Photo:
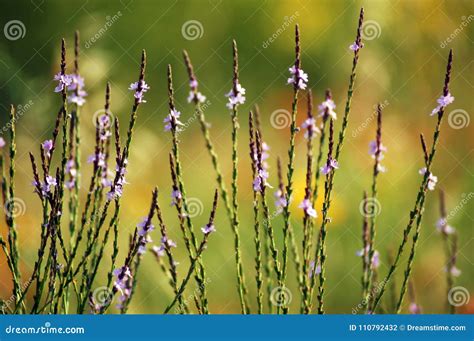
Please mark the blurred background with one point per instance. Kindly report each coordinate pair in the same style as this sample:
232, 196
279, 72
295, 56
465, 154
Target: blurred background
401, 66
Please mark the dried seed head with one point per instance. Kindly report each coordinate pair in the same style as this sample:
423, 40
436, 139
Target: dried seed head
170, 88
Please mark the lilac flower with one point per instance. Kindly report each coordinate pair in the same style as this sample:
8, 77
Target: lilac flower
48, 146
314, 270
2, 142
175, 196
355, 47
442, 226
99, 158
50, 182
116, 189
208, 229
375, 257
159, 251
76, 86
432, 179
173, 118
381, 156
280, 200
72, 171
145, 227
194, 94
308, 208
236, 97
414, 308
260, 180
455, 271
310, 125
123, 277
168, 242
329, 166
140, 88
443, 102
142, 242
329, 106
64, 82
298, 78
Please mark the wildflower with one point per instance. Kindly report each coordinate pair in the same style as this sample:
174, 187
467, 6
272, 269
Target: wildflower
329, 166
172, 120
261, 180
50, 182
140, 88
432, 179
381, 156
48, 146
298, 77
209, 228
64, 82
116, 188
236, 97
159, 251
310, 125
455, 271
72, 171
175, 196
145, 226
142, 242
442, 226
314, 268
326, 108
356, 47
308, 208
414, 308
443, 101
375, 257
2, 142
99, 158
76, 86
122, 283
194, 94
280, 200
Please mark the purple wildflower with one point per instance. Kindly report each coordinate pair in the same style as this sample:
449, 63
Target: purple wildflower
48, 146
455, 271
375, 257
327, 108
329, 166
140, 88
443, 101
145, 226
78, 93
442, 226
173, 119
209, 228
260, 180
356, 47
310, 125
308, 208
298, 78
64, 82
312, 269
175, 196
236, 97
2, 142
414, 308
194, 94
280, 200
373, 152
159, 251
116, 188
432, 179
72, 171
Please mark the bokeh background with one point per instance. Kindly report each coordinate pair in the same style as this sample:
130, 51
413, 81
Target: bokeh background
401, 66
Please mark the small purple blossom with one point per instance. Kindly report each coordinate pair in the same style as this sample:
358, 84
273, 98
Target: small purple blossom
208, 229
236, 97
381, 156
173, 118
414, 308
145, 227
64, 82
298, 78
2, 142
159, 251
140, 88
280, 200
355, 47
260, 180
194, 94
329, 166
308, 208
443, 102
310, 125
432, 179
175, 196
327, 106
455, 271
314, 270
123, 277
78, 93
443, 226
48, 146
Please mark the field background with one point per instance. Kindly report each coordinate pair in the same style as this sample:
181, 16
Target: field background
402, 67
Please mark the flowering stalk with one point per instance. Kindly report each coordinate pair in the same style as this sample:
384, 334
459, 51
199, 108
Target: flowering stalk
420, 199
198, 99
309, 211
378, 156
257, 239
299, 79
207, 231
236, 97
